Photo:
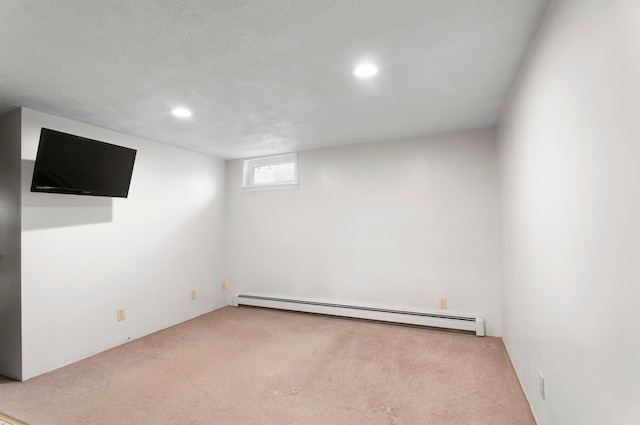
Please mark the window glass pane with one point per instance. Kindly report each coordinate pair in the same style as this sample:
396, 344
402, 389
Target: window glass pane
267, 171
274, 173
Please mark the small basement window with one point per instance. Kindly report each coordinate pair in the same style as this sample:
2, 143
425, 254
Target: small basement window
269, 171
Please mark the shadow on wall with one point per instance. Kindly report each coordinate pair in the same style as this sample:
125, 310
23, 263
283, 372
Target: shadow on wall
50, 210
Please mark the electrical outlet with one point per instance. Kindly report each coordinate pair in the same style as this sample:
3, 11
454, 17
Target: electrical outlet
223, 286
443, 303
120, 314
541, 380
193, 295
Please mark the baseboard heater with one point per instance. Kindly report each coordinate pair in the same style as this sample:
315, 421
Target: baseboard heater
421, 318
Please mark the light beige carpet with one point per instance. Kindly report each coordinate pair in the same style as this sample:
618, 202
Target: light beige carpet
254, 366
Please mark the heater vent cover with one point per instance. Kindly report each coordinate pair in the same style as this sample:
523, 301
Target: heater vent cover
456, 321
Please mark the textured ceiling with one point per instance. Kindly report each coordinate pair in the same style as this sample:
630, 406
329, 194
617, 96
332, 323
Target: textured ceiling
267, 76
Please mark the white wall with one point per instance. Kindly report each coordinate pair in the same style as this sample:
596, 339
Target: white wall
10, 312
570, 155
85, 257
395, 224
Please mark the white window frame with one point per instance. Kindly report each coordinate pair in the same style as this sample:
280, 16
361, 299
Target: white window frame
250, 163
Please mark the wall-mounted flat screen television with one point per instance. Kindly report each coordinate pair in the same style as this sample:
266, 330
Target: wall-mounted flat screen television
76, 165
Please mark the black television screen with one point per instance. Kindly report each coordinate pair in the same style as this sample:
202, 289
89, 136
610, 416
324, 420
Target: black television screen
79, 166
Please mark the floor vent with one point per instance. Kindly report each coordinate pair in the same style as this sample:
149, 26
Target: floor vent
7, 420
422, 318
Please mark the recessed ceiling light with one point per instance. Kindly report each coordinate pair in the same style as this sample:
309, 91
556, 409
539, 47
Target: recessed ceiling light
365, 70
181, 112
